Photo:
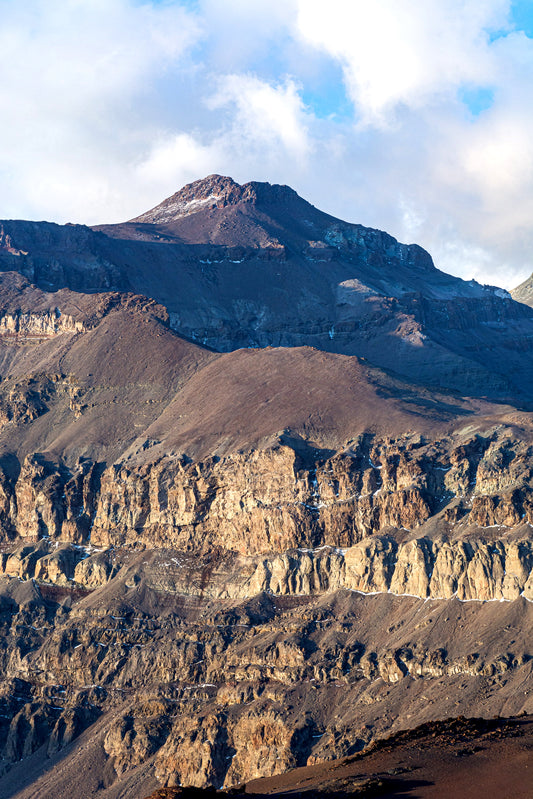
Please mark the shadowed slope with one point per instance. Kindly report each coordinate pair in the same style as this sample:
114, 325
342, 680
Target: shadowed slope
104, 377
256, 266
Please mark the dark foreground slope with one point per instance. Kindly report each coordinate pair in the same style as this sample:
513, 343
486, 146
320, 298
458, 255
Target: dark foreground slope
470, 758
221, 565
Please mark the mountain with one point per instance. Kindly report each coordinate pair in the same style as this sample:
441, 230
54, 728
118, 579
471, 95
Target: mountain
256, 266
524, 292
266, 495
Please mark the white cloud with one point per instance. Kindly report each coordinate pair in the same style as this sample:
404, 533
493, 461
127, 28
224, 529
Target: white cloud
75, 75
241, 33
264, 115
403, 51
173, 161
481, 263
465, 180
108, 107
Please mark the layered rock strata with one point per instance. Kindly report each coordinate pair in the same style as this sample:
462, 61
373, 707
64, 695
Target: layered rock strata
468, 570
31, 327
283, 618
204, 693
276, 499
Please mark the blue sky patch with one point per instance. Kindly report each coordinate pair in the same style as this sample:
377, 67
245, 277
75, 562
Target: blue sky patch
477, 100
328, 102
522, 16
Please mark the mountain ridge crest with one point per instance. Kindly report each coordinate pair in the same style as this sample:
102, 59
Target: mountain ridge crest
217, 191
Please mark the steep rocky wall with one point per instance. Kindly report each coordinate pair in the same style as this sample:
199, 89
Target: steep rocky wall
276, 499
28, 327
221, 620
469, 570
23, 400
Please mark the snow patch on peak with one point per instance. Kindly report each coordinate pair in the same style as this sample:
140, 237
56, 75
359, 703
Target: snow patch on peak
167, 212
505, 295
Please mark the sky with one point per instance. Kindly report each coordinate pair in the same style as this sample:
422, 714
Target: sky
411, 117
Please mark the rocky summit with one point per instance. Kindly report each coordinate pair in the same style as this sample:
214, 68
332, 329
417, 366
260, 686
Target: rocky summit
266, 497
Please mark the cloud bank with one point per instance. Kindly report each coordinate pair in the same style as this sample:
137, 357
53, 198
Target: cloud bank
412, 117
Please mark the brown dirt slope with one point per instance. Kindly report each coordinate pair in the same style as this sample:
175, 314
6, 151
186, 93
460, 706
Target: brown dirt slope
91, 388
247, 397
123, 382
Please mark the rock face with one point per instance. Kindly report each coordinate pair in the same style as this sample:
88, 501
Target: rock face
212, 693
28, 327
221, 565
469, 570
439, 753
244, 615
277, 499
524, 292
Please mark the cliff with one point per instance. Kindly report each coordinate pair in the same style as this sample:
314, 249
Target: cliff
280, 497
218, 563
212, 622
144, 682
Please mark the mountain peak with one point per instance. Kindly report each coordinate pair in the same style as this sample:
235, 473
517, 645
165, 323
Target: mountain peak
524, 292
216, 191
